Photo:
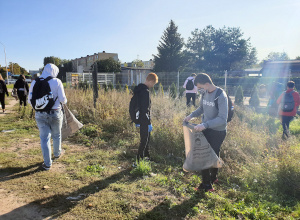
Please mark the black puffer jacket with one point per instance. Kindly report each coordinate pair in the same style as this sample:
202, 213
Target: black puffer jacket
144, 103
21, 86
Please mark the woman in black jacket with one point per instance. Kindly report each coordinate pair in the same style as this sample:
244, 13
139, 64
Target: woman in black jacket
3, 90
22, 90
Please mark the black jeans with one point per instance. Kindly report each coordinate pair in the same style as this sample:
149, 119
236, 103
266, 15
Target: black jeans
190, 96
22, 98
215, 139
286, 124
144, 144
2, 100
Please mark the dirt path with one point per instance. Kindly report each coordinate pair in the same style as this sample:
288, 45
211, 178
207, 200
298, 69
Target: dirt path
11, 103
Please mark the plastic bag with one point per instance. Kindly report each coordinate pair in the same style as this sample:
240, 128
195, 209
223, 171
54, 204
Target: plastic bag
199, 154
70, 123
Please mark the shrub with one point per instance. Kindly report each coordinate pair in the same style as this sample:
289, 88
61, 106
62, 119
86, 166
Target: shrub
254, 100
119, 87
160, 90
173, 91
239, 96
104, 86
110, 86
143, 168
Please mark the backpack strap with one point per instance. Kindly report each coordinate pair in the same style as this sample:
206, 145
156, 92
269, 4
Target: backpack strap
218, 93
49, 78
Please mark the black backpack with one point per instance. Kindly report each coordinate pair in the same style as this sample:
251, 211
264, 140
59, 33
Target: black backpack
189, 85
134, 109
288, 102
42, 97
230, 105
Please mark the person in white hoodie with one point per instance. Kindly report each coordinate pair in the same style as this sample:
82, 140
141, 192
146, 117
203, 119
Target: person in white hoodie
50, 122
190, 89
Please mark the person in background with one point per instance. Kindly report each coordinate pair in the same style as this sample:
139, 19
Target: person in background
144, 101
214, 123
50, 122
3, 91
190, 89
22, 90
286, 112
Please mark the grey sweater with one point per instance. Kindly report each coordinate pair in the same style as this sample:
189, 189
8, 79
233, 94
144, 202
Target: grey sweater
212, 117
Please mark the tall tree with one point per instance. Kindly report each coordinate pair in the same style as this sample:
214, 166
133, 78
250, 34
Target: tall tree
221, 49
55, 60
108, 66
275, 56
170, 56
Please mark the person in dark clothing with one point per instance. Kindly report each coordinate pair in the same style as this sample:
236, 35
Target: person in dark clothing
192, 91
22, 90
145, 125
287, 116
3, 91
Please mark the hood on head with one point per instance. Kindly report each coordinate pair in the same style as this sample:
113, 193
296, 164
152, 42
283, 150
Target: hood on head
50, 70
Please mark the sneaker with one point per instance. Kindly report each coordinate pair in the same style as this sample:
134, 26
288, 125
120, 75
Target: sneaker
205, 187
62, 152
44, 167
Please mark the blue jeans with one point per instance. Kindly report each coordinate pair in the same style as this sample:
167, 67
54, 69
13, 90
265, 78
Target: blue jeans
50, 124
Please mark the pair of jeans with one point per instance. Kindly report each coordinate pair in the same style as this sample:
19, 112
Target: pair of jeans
215, 139
50, 124
2, 100
143, 150
190, 96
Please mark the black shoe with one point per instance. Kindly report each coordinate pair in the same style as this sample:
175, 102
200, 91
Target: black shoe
205, 187
44, 167
62, 152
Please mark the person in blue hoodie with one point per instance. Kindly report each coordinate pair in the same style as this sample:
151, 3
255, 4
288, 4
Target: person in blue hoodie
50, 122
144, 101
214, 123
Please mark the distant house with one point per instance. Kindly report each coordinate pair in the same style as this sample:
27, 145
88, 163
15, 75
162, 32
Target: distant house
84, 64
281, 68
147, 64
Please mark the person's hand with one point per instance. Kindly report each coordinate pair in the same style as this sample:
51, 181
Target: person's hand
187, 118
150, 128
199, 127
137, 125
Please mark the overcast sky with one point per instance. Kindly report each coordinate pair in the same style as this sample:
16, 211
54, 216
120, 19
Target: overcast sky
34, 29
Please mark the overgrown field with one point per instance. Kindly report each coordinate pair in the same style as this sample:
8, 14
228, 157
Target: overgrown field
260, 179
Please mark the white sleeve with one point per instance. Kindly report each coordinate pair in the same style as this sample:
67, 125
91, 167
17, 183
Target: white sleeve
30, 92
61, 93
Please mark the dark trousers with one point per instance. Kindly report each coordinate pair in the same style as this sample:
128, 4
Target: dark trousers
22, 98
286, 124
2, 100
144, 144
190, 96
215, 139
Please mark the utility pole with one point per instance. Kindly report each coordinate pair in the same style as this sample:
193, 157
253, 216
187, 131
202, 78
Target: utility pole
5, 63
95, 83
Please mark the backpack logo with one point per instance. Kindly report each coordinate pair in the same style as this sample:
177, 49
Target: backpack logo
41, 103
189, 85
288, 102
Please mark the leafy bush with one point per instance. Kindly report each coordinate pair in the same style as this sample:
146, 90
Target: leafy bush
254, 99
142, 168
173, 91
239, 96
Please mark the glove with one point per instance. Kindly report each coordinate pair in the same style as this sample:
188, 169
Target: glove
137, 125
150, 128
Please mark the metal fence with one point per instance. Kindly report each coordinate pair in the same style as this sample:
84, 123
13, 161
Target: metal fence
166, 79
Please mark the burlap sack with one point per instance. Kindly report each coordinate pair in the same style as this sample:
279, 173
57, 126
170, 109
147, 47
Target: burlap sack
198, 152
70, 123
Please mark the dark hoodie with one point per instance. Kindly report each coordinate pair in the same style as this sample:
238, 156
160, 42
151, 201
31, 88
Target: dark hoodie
21, 85
144, 103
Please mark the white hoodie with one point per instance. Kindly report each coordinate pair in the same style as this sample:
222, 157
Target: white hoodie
56, 85
190, 91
